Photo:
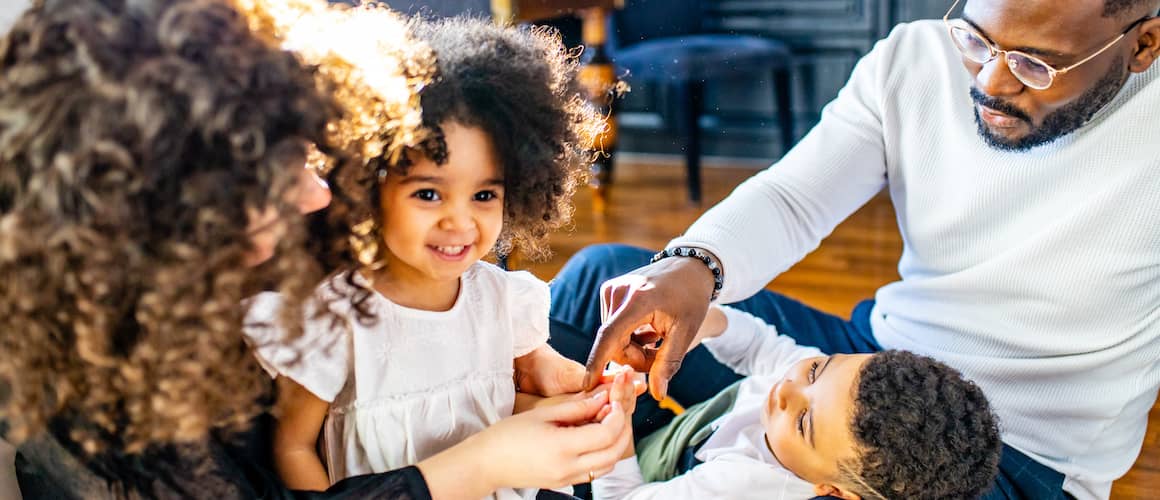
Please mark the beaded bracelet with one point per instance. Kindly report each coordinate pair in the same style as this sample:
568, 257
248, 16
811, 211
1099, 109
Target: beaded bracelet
697, 253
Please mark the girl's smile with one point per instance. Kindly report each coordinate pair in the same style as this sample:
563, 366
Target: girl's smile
451, 253
439, 220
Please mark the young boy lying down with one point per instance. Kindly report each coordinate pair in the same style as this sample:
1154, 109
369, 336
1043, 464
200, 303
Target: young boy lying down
889, 425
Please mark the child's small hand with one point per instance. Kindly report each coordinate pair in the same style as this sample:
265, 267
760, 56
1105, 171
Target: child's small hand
545, 372
623, 386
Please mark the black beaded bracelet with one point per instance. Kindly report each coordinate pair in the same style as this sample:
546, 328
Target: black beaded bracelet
697, 253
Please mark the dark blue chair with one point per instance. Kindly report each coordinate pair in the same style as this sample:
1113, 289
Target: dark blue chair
440, 8
664, 42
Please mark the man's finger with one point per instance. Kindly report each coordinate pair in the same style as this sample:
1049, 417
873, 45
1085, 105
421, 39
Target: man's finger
639, 358
605, 301
611, 339
668, 361
616, 298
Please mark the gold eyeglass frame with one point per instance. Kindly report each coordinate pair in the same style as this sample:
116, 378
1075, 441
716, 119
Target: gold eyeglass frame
1052, 71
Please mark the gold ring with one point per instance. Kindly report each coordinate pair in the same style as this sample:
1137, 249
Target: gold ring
591, 476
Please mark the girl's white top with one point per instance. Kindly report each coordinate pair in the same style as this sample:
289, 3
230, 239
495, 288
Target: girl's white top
409, 383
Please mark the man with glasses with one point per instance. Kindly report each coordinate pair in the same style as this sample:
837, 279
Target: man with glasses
1007, 126
1018, 140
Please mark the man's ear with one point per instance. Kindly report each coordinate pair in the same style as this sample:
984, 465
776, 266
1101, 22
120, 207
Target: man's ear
1147, 46
829, 490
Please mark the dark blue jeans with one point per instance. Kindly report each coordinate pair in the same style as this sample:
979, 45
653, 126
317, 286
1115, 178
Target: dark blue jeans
576, 316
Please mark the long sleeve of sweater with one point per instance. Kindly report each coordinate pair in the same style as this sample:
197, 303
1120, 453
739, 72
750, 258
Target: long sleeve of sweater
775, 218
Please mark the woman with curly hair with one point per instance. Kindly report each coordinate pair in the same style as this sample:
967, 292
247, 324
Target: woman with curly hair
507, 137
152, 178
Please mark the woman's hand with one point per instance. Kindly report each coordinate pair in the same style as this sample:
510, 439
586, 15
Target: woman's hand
672, 296
545, 447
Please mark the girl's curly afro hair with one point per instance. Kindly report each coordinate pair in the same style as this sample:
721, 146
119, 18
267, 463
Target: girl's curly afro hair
519, 85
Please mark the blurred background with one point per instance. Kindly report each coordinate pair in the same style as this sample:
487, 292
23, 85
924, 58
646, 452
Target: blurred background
826, 38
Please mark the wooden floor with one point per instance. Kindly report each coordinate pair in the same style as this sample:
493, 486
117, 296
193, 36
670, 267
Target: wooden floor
648, 207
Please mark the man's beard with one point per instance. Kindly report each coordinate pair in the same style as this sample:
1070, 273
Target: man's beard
1060, 122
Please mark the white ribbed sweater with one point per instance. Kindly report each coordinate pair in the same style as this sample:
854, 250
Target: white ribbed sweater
1037, 274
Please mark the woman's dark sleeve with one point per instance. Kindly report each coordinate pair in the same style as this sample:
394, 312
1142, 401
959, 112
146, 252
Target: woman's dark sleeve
222, 468
47, 469
248, 462
401, 484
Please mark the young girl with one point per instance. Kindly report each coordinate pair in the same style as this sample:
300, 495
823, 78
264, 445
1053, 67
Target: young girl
434, 336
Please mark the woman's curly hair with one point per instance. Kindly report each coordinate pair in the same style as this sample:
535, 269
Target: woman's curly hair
922, 430
519, 85
134, 137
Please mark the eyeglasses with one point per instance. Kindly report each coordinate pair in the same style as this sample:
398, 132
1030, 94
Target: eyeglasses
1030, 70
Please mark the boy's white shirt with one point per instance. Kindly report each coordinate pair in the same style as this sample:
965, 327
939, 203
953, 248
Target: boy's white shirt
737, 464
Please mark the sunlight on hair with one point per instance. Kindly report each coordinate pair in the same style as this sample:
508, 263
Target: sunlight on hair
367, 54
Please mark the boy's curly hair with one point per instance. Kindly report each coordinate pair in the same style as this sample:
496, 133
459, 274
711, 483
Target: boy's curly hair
519, 85
134, 137
923, 431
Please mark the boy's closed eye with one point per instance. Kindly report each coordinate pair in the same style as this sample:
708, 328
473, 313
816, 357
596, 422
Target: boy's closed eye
806, 420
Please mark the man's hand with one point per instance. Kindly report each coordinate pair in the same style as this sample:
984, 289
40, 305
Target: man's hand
545, 372
671, 296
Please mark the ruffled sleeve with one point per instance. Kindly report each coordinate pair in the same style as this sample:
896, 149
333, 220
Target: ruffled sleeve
530, 301
318, 360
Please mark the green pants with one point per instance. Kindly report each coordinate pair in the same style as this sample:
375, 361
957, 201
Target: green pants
659, 452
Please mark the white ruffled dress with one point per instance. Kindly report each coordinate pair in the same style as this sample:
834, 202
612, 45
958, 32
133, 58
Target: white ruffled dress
413, 382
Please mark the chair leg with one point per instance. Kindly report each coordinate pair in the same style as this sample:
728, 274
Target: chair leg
689, 95
782, 88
